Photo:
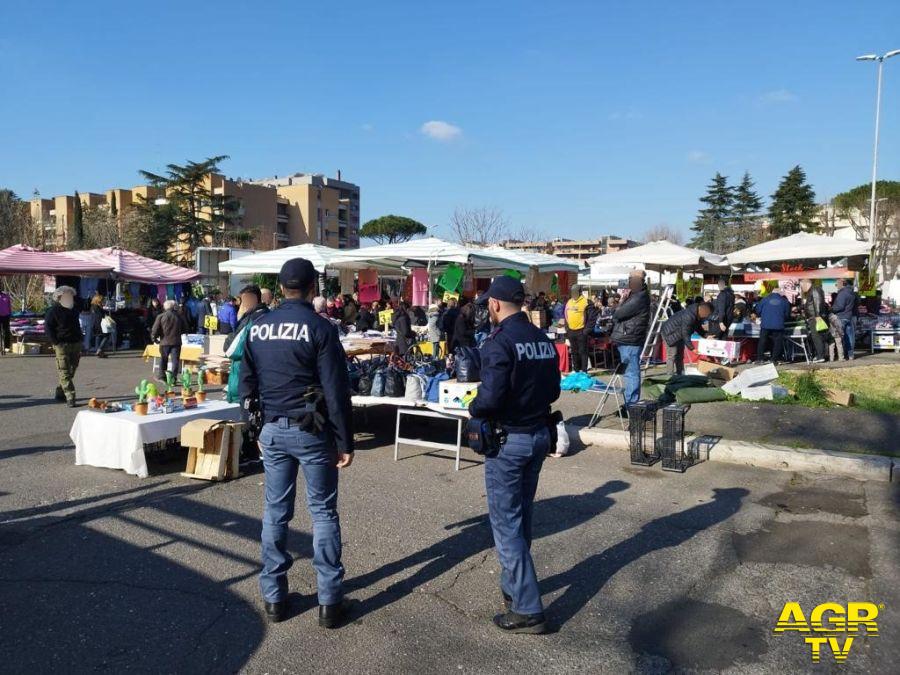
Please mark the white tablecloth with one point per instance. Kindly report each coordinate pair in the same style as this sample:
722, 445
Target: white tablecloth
116, 440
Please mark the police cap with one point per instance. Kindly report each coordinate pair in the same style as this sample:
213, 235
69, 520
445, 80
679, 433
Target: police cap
297, 273
505, 289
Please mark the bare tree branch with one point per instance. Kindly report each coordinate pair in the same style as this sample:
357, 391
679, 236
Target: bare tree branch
482, 226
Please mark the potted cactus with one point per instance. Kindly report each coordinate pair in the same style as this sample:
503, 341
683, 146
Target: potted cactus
186, 383
142, 390
170, 384
201, 394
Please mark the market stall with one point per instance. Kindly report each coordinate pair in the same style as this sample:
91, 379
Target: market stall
117, 440
784, 262
270, 262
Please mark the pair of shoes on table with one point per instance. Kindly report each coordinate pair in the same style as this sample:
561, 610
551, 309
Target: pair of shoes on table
513, 622
330, 616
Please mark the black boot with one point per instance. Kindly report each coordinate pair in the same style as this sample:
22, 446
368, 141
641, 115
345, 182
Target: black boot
528, 624
333, 616
276, 611
72, 403
60, 395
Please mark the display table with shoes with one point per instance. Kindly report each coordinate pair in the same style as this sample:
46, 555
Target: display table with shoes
116, 440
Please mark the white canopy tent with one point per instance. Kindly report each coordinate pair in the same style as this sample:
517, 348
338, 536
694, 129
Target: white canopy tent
540, 262
270, 262
660, 256
429, 252
801, 246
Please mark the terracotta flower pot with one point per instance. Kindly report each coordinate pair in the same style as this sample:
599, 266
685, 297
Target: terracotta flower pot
201, 396
186, 393
140, 408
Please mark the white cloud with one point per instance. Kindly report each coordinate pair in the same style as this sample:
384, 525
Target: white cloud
778, 97
441, 131
698, 157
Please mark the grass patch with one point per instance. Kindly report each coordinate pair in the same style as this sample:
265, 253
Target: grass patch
876, 388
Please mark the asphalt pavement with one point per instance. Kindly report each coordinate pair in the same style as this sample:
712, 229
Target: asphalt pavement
641, 570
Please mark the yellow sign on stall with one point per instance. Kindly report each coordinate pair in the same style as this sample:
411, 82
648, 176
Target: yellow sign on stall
385, 317
210, 322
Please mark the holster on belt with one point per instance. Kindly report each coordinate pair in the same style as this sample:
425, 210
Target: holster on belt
314, 420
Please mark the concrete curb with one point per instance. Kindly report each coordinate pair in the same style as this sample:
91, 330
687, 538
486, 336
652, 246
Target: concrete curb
828, 462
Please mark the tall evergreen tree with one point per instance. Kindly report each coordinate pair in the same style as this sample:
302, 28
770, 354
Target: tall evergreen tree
202, 216
713, 222
113, 206
746, 219
793, 207
77, 239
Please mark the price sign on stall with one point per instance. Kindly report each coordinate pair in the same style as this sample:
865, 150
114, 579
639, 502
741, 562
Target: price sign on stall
210, 322
385, 317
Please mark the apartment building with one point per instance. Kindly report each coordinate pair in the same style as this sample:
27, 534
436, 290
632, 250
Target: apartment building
316, 209
577, 249
276, 212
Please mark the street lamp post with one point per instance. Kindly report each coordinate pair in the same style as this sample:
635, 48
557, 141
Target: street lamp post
880, 60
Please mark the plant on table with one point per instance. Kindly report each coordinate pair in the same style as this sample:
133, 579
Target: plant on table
142, 391
201, 394
185, 382
170, 382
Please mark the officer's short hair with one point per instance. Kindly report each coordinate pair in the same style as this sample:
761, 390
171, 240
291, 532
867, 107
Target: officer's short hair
169, 304
252, 288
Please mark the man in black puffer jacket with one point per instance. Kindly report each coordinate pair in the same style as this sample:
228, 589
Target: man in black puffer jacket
723, 310
630, 323
677, 331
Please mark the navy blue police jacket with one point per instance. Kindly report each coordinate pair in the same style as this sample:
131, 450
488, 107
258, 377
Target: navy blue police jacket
288, 350
519, 375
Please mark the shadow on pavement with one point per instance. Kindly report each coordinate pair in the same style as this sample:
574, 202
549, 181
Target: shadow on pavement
551, 516
76, 598
588, 577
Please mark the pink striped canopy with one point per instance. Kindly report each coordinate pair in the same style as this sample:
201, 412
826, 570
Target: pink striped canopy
133, 267
20, 259
115, 262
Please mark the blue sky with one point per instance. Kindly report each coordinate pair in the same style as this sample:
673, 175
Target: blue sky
575, 118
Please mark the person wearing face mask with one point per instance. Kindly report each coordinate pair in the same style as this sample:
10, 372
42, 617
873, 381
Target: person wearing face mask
63, 328
519, 382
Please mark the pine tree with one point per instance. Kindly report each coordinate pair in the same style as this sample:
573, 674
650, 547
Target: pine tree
113, 205
77, 240
746, 221
793, 206
712, 223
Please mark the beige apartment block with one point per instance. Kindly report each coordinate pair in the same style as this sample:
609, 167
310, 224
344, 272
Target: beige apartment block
277, 212
580, 249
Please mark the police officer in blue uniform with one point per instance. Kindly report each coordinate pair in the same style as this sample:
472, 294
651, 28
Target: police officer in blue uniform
519, 382
295, 371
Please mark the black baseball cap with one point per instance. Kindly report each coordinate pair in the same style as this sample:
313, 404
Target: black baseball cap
297, 273
505, 289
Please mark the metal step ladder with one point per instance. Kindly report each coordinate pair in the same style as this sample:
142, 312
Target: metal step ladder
662, 313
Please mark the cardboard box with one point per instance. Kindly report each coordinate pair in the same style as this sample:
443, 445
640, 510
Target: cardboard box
840, 397
214, 449
216, 376
457, 395
26, 348
716, 371
721, 349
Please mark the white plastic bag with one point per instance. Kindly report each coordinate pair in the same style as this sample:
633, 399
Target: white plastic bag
562, 440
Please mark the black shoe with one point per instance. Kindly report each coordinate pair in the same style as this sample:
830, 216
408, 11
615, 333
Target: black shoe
276, 611
60, 395
528, 624
333, 616
507, 600
623, 412
72, 403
